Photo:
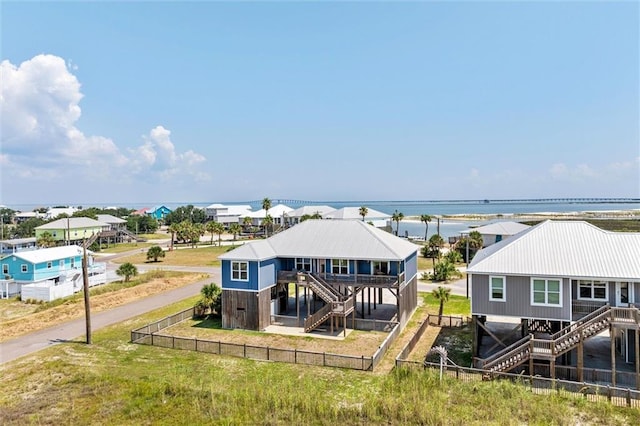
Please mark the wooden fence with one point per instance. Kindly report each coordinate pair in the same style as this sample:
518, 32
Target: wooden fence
540, 385
150, 335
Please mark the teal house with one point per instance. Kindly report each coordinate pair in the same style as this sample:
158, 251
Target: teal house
158, 212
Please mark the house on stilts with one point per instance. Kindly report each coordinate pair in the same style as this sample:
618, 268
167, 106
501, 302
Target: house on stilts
564, 283
319, 272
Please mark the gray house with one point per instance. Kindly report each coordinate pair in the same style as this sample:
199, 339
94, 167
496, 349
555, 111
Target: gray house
497, 231
566, 281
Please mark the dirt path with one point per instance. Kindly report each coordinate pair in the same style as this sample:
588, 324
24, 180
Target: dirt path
70, 330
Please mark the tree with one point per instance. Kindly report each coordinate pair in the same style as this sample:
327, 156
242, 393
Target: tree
91, 212
442, 295
444, 271
397, 217
474, 242
173, 229
187, 213
211, 300
218, 228
46, 240
6, 215
247, 222
266, 223
27, 228
143, 224
426, 219
154, 253
210, 227
363, 212
127, 270
266, 205
453, 256
435, 243
235, 229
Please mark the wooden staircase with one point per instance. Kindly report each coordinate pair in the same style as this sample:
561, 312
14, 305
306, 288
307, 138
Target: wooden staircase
561, 342
336, 304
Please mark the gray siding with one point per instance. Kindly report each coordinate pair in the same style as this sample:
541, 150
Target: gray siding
518, 300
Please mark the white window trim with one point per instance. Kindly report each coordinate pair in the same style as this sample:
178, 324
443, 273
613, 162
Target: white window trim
5, 268
301, 261
239, 262
504, 288
606, 291
546, 292
341, 260
381, 262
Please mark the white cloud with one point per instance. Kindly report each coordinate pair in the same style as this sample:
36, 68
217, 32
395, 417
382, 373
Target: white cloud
40, 106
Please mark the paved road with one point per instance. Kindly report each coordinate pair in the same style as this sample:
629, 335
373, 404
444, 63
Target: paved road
458, 287
33, 342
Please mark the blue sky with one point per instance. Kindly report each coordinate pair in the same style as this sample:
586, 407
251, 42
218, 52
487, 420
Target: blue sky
212, 101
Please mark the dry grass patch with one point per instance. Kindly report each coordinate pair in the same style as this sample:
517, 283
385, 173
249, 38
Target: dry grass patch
14, 308
356, 343
74, 308
200, 256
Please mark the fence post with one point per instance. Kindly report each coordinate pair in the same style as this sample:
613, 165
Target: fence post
362, 363
196, 340
244, 350
609, 392
151, 339
324, 359
173, 342
219, 348
295, 355
628, 397
268, 354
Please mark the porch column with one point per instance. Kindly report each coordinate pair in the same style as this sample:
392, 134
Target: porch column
297, 301
362, 303
638, 354
580, 363
369, 299
612, 336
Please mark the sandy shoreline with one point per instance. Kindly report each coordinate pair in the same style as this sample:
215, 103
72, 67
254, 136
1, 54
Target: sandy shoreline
465, 217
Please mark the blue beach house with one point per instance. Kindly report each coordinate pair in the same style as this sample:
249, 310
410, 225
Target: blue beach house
342, 266
47, 274
158, 212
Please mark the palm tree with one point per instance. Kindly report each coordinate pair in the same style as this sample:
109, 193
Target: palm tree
397, 217
235, 229
247, 222
211, 298
211, 227
441, 294
426, 219
363, 212
46, 240
218, 228
266, 205
173, 229
127, 270
267, 222
436, 242
154, 253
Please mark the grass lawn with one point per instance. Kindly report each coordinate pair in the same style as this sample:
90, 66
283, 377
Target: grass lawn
21, 318
457, 305
156, 236
356, 343
116, 382
200, 256
122, 247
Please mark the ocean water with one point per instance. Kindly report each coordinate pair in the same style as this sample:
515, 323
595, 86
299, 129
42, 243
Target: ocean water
434, 208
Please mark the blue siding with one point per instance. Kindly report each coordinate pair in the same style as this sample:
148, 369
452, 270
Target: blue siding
364, 267
287, 264
267, 273
228, 283
411, 266
39, 271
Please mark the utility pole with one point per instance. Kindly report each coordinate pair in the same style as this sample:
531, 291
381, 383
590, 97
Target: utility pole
85, 282
467, 271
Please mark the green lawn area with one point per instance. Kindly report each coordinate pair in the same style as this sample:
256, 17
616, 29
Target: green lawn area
116, 382
457, 305
122, 247
156, 236
200, 256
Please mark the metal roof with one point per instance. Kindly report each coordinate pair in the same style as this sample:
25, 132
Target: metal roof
354, 213
48, 254
563, 249
327, 239
499, 228
107, 218
275, 211
311, 210
73, 222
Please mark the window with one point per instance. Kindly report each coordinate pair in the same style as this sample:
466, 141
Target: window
49, 265
546, 292
61, 263
592, 290
73, 262
240, 271
24, 268
380, 268
497, 289
5, 268
303, 264
339, 266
